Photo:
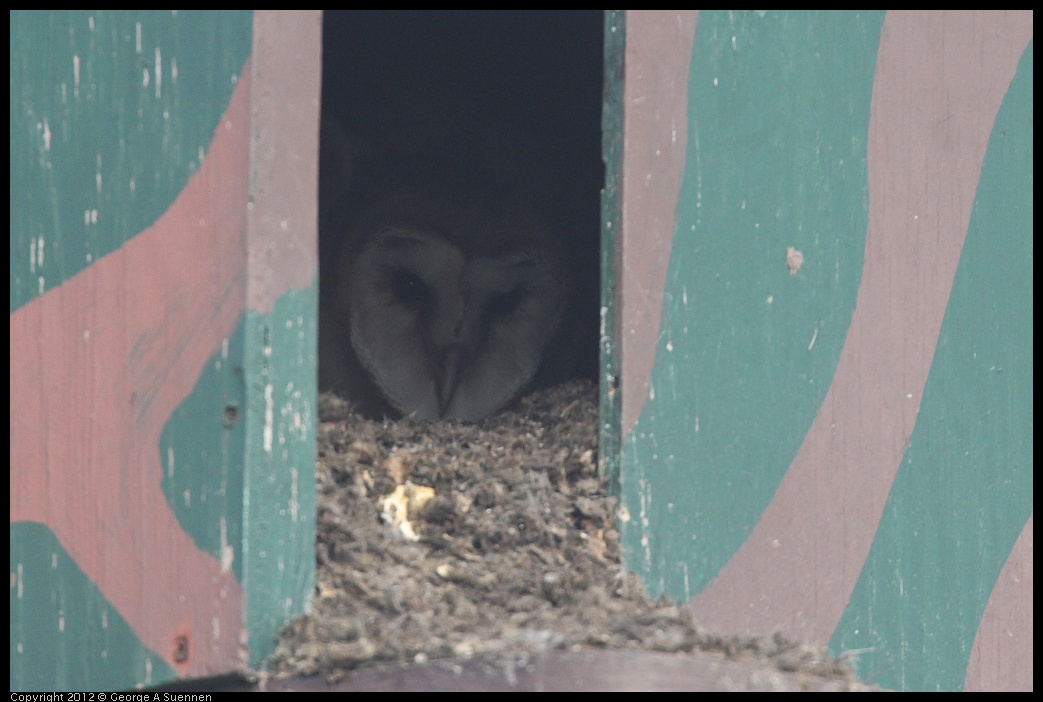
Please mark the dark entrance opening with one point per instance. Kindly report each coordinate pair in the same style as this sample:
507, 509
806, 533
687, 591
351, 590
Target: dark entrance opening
509, 100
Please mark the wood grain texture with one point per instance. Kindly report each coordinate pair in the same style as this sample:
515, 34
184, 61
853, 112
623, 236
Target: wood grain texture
924, 163
97, 366
655, 139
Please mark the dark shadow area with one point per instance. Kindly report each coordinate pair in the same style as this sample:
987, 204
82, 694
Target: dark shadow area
506, 102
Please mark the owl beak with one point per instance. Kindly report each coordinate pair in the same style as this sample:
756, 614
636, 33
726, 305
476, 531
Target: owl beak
448, 373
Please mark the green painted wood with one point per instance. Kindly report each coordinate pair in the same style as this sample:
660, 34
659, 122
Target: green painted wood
611, 215
776, 159
64, 634
279, 504
201, 450
280, 326
963, 493
111, 112
834, 441
163, 290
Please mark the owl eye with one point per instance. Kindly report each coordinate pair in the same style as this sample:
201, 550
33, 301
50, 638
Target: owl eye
506, 303
410, 290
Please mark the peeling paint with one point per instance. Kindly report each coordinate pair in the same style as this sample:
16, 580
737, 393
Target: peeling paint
269, 414
794, 260
227, 552
159, 73
294, 503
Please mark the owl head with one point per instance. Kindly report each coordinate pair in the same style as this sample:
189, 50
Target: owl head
449, 304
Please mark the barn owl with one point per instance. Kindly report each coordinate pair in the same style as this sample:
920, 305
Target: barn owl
439, 301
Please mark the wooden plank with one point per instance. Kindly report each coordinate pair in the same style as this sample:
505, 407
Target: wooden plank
835, 438
138, 375
573, 671
280, 325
